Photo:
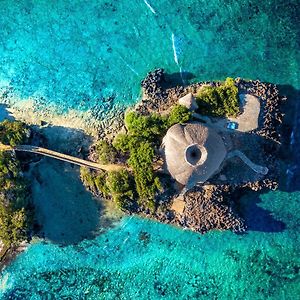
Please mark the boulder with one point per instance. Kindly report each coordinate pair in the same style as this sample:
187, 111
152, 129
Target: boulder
188, 101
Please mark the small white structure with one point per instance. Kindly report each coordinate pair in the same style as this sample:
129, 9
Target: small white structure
188, 101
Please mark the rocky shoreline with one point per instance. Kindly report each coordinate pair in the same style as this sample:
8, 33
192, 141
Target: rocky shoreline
214, 205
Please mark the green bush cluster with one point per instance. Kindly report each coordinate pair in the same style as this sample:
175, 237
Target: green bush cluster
13, 224
141, 154
95, 182
154, 126
144, 133
220, 101
178, 114
106, 152
13, 133
118, 184
14, 202
147, 127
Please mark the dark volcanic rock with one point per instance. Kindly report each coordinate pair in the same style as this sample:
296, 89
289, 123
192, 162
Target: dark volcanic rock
209, 208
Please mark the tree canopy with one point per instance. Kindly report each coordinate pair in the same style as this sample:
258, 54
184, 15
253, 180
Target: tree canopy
13, 133
143, 137
14, 201
219, 101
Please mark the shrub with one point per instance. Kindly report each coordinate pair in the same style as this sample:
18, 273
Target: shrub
121, 188
140, 160
9, 169
118, 182
219, 101
14, 201
145, 126
13, 133
100, 183
13, 225
179, 114
106, 152
124, 142
95, 182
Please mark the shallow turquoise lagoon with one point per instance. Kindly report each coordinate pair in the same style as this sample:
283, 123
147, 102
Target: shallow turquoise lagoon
140, 259
75, 54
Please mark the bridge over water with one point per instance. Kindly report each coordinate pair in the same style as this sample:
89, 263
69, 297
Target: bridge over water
64, 157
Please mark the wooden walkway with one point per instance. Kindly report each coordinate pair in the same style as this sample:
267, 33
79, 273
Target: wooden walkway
64, 157
256, 168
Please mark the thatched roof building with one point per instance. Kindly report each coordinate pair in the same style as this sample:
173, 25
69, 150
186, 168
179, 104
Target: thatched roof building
193, 153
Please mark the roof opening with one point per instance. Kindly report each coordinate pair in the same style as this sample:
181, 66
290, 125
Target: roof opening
193, 154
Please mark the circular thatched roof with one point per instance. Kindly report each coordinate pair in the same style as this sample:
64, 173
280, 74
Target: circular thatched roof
193, 152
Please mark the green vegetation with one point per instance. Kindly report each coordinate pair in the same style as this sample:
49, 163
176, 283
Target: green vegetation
219, 101
138, 147
141, 158
144, 134
119, 185
13, 133
179, 114
95, 182
14, 202
106, 152
145, 127
141, 154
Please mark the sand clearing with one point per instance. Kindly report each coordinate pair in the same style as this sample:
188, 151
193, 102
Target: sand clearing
248, 120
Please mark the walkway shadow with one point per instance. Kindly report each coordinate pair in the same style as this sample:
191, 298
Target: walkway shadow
65, 212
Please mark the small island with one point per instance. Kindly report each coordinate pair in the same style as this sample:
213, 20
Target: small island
184, 155
190, 152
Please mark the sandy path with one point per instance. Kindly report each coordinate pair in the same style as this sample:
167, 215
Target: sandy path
247, 121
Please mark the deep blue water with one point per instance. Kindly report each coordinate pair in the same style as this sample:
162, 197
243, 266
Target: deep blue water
74, 54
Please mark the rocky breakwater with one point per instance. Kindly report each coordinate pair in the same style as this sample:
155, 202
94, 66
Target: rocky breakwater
160, 94
210, 207
271, 115
152, 84
214, 207
270, 122
154, 92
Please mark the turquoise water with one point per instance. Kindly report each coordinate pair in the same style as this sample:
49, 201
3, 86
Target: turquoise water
76, 53
167, 264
